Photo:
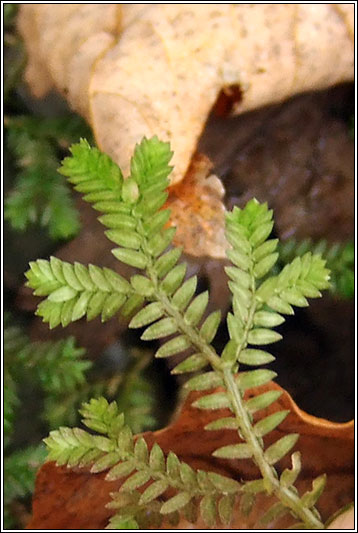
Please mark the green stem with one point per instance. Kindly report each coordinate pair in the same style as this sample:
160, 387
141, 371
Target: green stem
286, 495
191, 332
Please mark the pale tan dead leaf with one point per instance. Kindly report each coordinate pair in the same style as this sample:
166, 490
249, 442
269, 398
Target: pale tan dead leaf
75, 499
139, 70
346, 520
159, 68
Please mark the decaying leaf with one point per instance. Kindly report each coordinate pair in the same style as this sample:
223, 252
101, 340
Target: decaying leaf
75, 499
159, 69
197, 210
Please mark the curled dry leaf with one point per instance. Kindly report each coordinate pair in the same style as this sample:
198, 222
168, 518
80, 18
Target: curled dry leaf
159, 69
75, 499
142, 69
197, 210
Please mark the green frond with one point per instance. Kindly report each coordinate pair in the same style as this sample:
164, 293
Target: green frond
162, 301
11, 401
59, 366
121, 455
128, 205
102, 416
149, 164
339, 258
40, 195
258, 303
19, 472
74, 291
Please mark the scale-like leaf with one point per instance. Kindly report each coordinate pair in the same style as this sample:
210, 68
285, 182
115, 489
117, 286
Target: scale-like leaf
224, 484
208, 380
142, 285
166, 262
234, 451
187, 475
196, 309
254, 378
269, 423
264, 265
136, 480
147, 315
222, 423
175, 503
184, 294
105, 462
209, 328
262, 400
289, 475
176, 345
130, 257
263, 336
218, 400
226, 508
154, 490
208, 509
275, 511
120, 470
280, 448
267, 320
156, 458
141, 451
174, 279
162, 328
192, 363
255, 357
310, 498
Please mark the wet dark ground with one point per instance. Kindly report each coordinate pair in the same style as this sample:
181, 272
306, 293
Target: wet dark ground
299, 157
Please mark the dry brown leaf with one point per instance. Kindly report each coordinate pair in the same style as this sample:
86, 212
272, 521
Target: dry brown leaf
197, 210
146, 69
75, 499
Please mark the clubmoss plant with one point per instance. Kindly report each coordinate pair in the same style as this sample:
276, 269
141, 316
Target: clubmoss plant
57, 378
166, 304
339, 258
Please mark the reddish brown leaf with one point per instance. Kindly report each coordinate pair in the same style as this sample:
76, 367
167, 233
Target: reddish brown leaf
75, 499
197, 210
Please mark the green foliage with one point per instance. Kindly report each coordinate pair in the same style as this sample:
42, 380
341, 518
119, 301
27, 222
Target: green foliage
58, 371
74, 291
339, 258
117, 451
56, 368
162, 301
11, 401
9, 13
20, 468
40, 195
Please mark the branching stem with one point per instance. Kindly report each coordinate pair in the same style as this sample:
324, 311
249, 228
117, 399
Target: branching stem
285, 495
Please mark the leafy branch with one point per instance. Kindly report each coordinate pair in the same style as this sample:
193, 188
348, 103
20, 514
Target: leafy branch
166, 304
61, 379
339, 258
40, 195
121, 455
